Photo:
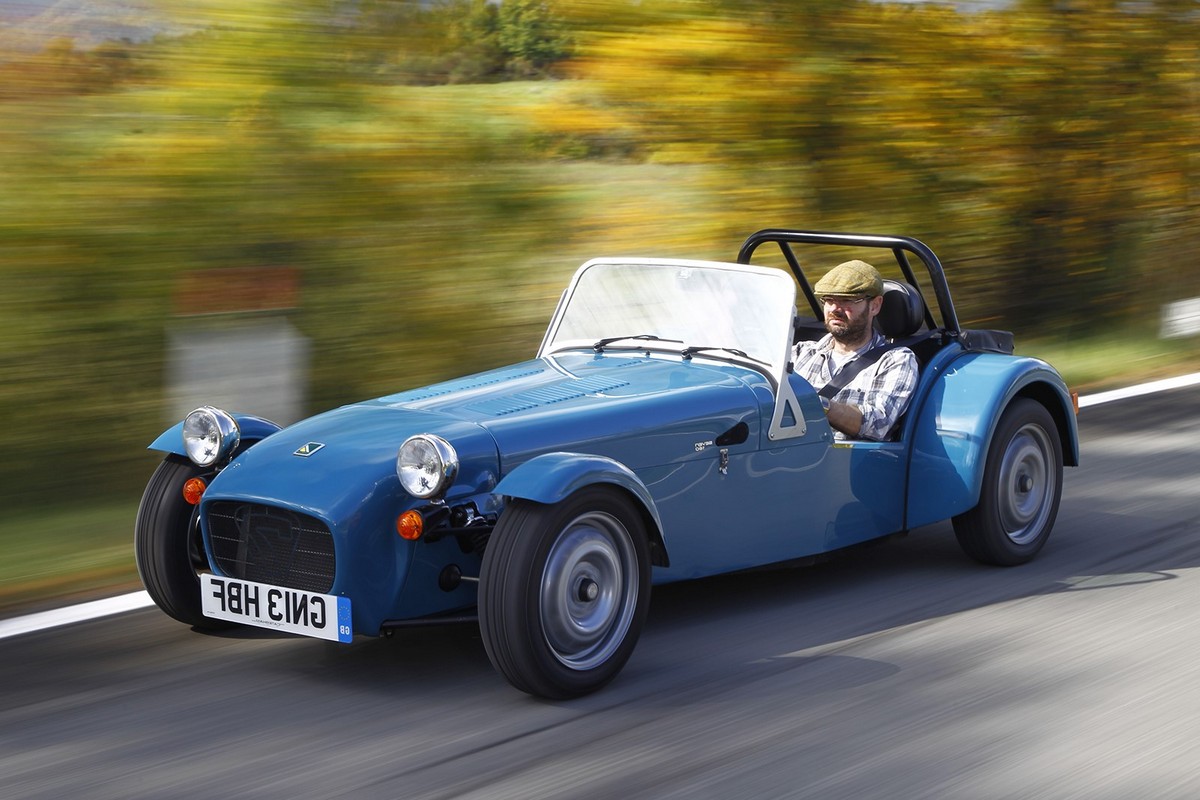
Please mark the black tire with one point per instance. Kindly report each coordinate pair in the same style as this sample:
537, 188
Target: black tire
563, 592
167, 546
1022, 486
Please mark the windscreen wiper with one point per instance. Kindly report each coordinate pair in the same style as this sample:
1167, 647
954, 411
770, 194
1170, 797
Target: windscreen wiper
600, 345
688, 352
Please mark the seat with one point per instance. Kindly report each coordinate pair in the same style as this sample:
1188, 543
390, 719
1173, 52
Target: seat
899, 319
903, 310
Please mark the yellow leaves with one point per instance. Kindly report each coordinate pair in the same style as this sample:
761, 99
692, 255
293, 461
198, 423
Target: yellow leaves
690, 80
709, 58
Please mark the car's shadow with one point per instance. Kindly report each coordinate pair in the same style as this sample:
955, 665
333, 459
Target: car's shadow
734, 628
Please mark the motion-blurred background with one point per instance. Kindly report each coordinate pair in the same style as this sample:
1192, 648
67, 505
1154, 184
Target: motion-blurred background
294, 204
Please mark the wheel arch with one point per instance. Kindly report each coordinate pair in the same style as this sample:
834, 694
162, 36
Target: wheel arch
254, 429
958, 421
1058, 402
552, 477
165, 543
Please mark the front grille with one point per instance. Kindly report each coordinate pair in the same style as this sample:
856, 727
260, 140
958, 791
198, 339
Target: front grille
261, 543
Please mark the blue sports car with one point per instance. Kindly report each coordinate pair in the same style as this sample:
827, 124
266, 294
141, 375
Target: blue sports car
658, 435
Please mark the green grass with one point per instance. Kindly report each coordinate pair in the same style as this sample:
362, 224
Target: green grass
1098, 363
66, 554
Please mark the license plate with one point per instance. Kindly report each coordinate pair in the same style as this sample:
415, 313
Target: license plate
323, 616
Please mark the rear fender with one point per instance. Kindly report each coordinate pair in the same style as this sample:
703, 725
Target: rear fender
552, 477
253, 429
957, 419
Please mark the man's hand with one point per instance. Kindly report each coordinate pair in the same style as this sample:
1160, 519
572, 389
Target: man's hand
845, 418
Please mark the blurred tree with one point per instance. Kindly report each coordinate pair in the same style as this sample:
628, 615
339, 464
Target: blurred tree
261, 143
1079, 116
463, 41
531, 36
62, 69
1034, 143
474, 52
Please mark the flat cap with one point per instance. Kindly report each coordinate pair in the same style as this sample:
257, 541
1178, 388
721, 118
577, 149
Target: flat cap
850, 279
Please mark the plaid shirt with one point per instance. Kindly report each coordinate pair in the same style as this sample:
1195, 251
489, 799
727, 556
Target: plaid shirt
881, 391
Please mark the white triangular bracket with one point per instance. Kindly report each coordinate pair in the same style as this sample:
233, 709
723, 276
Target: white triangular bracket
787, 422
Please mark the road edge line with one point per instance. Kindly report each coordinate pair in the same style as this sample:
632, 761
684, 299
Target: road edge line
68, 615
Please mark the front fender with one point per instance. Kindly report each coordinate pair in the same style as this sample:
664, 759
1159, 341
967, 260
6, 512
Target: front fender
957, 419
551, 477
253, 429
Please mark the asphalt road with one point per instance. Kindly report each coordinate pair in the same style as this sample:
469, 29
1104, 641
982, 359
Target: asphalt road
899, 671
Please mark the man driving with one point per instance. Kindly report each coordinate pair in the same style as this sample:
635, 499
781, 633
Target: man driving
870, 402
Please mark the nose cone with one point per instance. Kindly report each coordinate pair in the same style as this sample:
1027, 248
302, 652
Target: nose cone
332, 464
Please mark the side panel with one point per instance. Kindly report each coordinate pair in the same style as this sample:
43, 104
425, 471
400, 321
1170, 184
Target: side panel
955, 425
737, 507
813, 493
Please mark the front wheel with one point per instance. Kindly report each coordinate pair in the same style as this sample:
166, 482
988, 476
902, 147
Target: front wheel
1022, 485
167, 545
563, 592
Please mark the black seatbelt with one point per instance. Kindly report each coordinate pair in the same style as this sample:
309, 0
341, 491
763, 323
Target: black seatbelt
849, 371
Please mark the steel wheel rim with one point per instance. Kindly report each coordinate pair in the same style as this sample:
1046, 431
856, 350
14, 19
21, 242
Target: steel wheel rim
1026, 484
589, 590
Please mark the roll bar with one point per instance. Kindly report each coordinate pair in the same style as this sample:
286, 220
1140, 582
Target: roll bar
900, 246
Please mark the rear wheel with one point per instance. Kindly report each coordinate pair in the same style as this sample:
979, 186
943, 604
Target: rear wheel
167, 545
563, 592
1022, 485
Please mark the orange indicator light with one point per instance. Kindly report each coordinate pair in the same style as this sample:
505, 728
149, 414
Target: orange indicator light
410, 525
193, 490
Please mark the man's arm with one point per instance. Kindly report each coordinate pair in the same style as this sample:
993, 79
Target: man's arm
845, 418
876, 397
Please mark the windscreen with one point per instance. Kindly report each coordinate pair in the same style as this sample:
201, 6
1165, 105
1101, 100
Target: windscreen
691, 304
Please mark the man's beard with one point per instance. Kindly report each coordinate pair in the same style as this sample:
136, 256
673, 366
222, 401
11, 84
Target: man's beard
855, 331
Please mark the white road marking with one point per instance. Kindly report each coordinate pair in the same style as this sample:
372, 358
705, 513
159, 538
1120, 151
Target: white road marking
1138, 391
136, 600
71, 614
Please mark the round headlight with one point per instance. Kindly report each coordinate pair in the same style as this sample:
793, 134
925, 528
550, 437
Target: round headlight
209, 436
426, 465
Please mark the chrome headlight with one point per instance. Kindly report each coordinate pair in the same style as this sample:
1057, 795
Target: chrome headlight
210, 435
426, 465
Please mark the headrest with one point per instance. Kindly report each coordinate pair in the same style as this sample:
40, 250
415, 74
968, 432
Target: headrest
903, 310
